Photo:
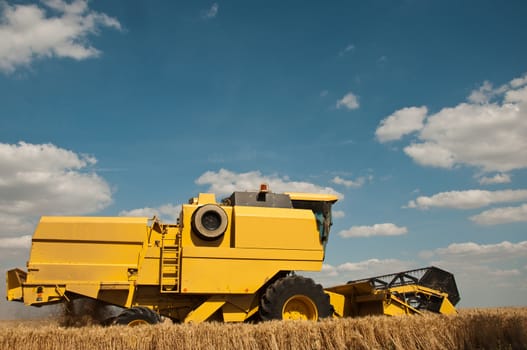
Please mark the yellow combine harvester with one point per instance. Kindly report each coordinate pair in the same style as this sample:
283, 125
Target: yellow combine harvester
231, 261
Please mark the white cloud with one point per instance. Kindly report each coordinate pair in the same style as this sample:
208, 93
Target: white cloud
167, 212
349, 101
16, 242
348, 48
400, 123
484, 94
29, 32
386, 229
496, 179
338, 214
210, 13
224, 182
468, 199
383, 266
474, 252
488, 132
329, 270
14, 224
430, 154
506, 273
485, 271
44, 179
331, 275
518, 82
501, 215
359, 182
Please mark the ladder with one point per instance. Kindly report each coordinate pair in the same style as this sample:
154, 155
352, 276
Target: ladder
170, 264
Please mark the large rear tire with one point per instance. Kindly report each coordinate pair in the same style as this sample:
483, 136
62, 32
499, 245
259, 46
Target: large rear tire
137, 316
295, 298
82, 311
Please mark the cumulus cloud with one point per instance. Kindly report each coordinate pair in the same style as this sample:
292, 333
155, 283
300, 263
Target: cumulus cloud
519, 82
16, 242
484, 93
359, 182
349, 101
211, 12
347, 49
56, 29
338, 214
338, 274
484, 271
496, 179
386, 229
487, 132
430, 154
474, 252
400, 123
166, 212
224, 182
383, 266
501, 215
469, 199
44, 179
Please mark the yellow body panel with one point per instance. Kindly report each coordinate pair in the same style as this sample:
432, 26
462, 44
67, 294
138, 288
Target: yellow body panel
275, 228
206, 309
234, 275
312, 197
447, 308
341, 305
253, 254
257, 244
85, 249
14, 280
83, 228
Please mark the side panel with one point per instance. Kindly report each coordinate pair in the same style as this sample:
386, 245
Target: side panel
86, 228
210, 276
84, 254
14, 280
259, 243
275, 228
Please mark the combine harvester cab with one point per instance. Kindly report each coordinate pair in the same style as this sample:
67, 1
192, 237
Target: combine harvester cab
231, 261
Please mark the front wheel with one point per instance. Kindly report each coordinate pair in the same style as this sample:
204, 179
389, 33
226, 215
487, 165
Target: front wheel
137, 316
295, 298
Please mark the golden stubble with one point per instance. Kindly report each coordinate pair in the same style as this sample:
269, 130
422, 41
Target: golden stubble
499, 328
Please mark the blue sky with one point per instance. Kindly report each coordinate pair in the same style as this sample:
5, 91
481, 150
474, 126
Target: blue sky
413, 112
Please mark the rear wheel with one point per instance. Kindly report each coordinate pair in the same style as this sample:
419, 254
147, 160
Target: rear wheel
295, 298
81, 311
137, 316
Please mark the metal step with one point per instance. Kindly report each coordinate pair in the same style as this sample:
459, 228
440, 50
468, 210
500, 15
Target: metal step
169, 269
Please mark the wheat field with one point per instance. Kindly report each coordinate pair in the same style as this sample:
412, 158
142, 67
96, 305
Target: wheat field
502, 328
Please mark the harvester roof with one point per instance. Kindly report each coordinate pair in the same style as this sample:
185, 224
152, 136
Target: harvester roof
298, 196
